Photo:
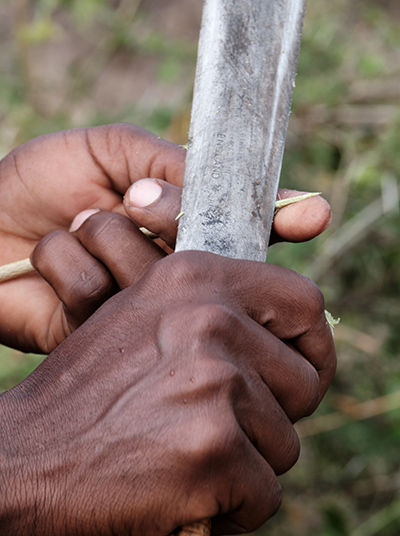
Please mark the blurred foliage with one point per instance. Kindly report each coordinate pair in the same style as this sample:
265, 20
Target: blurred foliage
69, 63
15, 366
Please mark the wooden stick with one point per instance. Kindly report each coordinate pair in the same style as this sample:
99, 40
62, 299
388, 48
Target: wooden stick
245, 75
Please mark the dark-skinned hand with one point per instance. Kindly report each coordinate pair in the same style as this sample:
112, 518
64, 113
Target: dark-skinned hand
174, 402
45, 183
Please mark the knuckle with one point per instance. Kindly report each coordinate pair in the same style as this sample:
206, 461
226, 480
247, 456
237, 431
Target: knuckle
310, 392
218, 381
183, 271
226, 379
123, 129
102, 227
93, 286
313, 297
307, 304
199, 336
275, 499
43, 251
114, 136
211, 320
290, 451
189, 269
331, 366
193, 272
265, 509
306, 399
211, 440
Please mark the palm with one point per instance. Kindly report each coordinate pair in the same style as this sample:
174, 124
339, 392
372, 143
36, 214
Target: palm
43, 185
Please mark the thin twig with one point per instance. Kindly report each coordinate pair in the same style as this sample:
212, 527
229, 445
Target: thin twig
280, 203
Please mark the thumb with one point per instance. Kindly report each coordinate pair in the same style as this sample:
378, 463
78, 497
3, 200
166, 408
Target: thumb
299, 222
155, 205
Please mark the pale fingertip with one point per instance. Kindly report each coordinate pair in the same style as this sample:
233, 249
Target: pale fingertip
143, 193
81, 218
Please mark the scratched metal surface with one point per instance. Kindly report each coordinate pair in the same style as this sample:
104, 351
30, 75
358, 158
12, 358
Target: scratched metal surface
245, 74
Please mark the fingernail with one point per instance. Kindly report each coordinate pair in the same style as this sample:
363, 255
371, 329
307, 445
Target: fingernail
143, 193
82, 217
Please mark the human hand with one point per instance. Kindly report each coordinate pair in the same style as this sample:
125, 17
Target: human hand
45, 183
178, 398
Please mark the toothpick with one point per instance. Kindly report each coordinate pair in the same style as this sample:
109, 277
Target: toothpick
280, 203
15, 269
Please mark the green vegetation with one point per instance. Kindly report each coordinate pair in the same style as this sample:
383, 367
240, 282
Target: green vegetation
69, 63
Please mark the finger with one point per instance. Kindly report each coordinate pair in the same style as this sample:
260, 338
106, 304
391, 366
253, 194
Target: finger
255, 495
235, 486
155, 205
292, 380
126, 153
217, 332
266, 425
255, 388
106, 161
291, 307
80, 281
288, 304
300, 221
116, 242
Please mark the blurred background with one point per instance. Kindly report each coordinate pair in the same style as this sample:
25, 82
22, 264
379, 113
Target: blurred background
72, 63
